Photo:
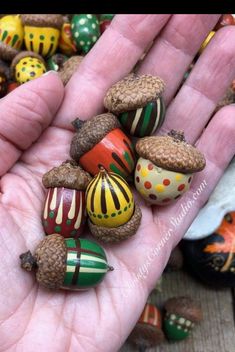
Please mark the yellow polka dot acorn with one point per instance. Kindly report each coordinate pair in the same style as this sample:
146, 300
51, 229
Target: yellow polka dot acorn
166, 166
27, 66
113, 214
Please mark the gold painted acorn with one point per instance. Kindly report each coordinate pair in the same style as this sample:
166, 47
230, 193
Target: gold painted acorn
65, 209
27, 66
66, 44
138, 103
42, 32
67, 263
113, 215
11, 36
69, 67
165, 168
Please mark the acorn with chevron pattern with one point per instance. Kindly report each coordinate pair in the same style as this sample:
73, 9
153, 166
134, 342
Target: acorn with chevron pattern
101, 142
11, 36
71, 264
64, 210
138, 103
113, 214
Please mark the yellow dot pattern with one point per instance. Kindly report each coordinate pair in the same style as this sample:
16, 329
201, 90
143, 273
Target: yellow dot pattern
160, 188
178, 177
144, 172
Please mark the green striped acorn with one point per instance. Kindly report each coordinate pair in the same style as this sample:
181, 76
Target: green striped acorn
138, 103
72, 264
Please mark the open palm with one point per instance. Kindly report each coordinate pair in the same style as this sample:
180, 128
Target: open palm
35, 135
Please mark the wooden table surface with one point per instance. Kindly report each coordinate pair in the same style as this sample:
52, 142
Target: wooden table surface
216, 333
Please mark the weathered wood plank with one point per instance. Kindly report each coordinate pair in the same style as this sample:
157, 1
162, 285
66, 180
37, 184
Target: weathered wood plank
216, 333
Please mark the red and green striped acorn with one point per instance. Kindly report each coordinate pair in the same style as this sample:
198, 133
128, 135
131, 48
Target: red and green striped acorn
65, 208
71, 264
138, 103
113, 215
11, 36
105, 20
165, 168
85, 31
182, 313
42, 32
148, 331
27, 66
100, 142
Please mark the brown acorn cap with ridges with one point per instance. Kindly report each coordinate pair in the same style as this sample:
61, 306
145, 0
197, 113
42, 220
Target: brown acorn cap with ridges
146, 335
21, 56
69, 67
69, 175
7, 52
91, 132
133, 92
171, 152
49, 261
185, 307
46, 20
120, 233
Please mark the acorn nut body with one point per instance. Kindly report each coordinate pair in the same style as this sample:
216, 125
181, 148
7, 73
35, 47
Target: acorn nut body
65, 209
11, 36
138, 103
66, 44
100, 142
42, 32
113, 216
67, 263
165, 168
182, 313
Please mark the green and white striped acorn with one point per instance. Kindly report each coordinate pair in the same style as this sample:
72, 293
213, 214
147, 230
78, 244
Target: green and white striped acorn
182, 313
67, 263
138, 103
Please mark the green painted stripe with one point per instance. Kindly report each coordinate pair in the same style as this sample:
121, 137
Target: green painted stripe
129, 160
92, 246
5, 33
92, 264
123, 118
70, 243
14, 40
87, 280
147, 116
68, 278
115, 169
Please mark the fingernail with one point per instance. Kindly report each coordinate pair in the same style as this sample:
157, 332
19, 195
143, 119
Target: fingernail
50, 72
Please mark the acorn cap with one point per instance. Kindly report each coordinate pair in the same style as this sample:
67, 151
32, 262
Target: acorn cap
46, 20
171, 152
91, 132
120, 233
7, 52
185, 307
49, 261
68, 175
69, 67
146, 335
133, 92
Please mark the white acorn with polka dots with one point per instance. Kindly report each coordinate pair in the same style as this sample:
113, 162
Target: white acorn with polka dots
166, 166
85, 31
27, 66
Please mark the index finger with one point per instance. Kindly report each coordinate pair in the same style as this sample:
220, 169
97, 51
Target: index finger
112, 57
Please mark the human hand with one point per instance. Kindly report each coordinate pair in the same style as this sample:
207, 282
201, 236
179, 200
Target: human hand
100, 319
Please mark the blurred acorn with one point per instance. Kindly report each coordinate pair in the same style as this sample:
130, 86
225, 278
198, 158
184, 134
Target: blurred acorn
3, 84
105, 20
69, 67
11, 36
66, 44
56, 61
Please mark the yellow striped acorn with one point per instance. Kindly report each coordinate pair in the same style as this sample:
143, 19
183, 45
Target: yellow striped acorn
109, 200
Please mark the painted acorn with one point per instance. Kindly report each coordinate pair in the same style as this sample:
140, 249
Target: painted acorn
138, 103
42, 32
212, 258
85, 31
27, 66
55, 62
65, 209
113, 215
225, 20
69, 67
105, 20
165, 168
182, 313
72, 264
100, 142
148, 331
11, 36
66, 44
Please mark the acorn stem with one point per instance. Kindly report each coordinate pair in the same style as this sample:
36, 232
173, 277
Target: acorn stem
28, 262
177, 135
110, 268
77, 123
